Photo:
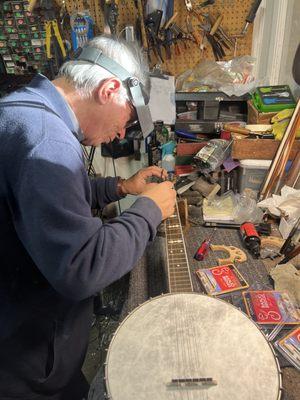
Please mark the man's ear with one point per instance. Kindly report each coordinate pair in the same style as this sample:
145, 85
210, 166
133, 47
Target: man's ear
107, 89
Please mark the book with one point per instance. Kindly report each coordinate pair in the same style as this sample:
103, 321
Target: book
271, 307
289, 347
221, 279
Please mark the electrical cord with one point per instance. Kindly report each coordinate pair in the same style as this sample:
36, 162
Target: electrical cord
114, 167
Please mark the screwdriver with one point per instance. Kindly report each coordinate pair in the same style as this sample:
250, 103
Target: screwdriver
251, 15
204, 247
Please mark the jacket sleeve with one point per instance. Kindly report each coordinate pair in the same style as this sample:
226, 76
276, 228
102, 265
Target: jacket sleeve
104, 191
77, 254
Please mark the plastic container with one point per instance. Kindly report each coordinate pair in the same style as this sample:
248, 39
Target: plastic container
252, 174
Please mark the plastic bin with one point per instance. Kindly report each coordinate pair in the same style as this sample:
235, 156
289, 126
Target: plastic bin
252, 174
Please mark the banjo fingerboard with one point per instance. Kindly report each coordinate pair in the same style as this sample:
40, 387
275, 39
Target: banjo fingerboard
179, 276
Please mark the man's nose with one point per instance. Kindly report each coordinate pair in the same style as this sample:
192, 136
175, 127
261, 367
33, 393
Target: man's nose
122, 133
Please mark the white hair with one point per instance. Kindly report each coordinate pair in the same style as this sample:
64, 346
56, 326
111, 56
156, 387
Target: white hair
86, 76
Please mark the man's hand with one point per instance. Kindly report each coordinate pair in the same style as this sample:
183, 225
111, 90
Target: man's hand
138, 182
164, 195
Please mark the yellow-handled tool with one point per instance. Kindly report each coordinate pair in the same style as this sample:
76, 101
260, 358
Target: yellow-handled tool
49, 25
31, 5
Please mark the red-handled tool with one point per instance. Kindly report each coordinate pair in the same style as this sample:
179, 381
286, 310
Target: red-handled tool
204, 248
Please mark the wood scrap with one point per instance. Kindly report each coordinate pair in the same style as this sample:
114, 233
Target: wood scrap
235, 254
271, 241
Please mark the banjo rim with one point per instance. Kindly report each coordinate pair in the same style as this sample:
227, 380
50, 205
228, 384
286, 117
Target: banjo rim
153, 299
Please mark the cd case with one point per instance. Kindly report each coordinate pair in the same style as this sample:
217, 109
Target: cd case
289, 347
221, 279
271, 307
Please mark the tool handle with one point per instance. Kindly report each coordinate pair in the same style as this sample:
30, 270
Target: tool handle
216, 25
236, 129
31, 5
253, 10
202, 250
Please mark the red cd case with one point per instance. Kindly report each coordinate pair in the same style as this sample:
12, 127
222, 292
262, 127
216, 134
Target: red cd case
271, 307
221, 279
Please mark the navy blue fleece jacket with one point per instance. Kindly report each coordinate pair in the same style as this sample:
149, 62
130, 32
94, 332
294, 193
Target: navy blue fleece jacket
50, 245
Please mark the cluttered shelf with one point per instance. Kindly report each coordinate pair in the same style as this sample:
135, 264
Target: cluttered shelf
260, 149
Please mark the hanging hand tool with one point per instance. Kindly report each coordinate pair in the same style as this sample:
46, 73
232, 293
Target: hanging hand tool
206, 3
152, 24
216, 45
81, 28
53, 37
188, 5
111, 13
204, 248
31, 5
55, 49
140, 22
251, 16
193, 32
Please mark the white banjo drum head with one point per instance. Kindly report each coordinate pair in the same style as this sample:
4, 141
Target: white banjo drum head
190, 336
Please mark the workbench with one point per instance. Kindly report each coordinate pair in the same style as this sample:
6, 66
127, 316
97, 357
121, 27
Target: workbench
148, 279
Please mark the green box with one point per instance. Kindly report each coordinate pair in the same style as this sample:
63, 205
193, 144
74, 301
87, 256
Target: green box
273, 98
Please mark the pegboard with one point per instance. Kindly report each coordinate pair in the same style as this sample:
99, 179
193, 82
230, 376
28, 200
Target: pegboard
234, 14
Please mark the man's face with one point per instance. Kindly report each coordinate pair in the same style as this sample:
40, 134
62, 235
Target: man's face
112, 121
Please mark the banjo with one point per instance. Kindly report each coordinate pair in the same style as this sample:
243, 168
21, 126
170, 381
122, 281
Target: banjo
189, 346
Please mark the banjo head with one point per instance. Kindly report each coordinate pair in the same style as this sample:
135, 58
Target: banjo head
190, 336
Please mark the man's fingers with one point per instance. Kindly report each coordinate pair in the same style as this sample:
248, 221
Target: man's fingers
167, 184
154, 171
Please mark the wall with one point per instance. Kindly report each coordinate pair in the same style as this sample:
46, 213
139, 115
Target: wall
291, 41
276, 35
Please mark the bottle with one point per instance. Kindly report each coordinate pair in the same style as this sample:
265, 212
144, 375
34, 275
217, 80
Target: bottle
250, 238
168, 159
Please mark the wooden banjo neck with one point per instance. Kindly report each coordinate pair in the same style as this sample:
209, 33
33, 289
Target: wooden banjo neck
179, 276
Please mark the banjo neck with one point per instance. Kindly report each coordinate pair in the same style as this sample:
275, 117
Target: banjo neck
179, 276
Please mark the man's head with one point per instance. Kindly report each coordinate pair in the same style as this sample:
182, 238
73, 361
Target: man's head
104, 78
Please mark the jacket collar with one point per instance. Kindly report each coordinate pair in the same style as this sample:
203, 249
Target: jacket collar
44, 88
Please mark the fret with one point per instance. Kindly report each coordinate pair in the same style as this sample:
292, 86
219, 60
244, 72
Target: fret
178, 269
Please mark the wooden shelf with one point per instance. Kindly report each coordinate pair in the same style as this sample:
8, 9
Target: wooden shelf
259, 149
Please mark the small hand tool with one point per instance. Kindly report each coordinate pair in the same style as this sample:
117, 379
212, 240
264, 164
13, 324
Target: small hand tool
251, 16
111, 13
152, 24
188, 5
206, 3
31, 5
204, 248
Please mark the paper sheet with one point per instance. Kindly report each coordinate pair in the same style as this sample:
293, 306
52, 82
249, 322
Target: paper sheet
162, 100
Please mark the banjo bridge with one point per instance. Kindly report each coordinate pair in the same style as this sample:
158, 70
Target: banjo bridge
191, 382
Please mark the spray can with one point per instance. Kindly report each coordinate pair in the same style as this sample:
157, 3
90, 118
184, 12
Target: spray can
250, 238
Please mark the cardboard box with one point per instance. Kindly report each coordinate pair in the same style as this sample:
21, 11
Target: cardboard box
256, 117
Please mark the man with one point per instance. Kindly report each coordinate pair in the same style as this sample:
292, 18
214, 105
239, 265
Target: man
54, 255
